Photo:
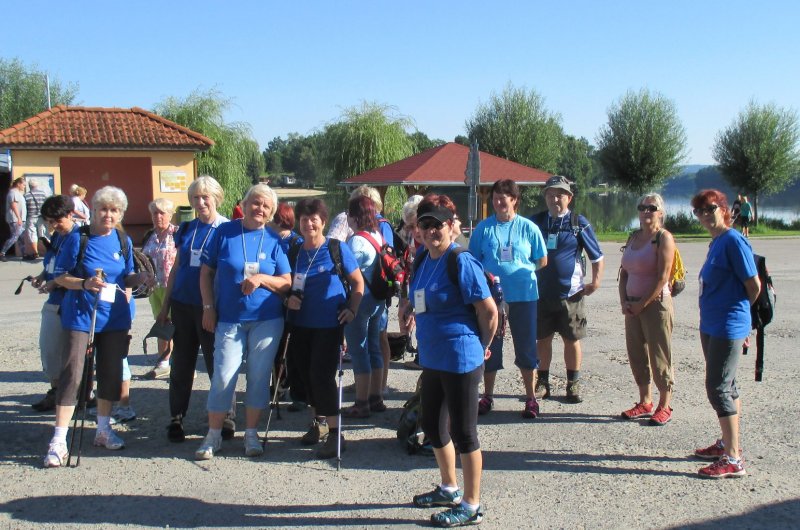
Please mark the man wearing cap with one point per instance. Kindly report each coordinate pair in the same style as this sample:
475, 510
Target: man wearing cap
561, 287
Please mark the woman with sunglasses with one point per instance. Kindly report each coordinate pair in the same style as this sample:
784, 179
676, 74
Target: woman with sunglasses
644, 295
455, 325
728, 286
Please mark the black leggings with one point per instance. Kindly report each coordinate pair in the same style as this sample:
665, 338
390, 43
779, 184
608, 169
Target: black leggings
189, 337
314, 355
450, 407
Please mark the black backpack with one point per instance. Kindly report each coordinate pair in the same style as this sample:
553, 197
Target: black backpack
141, 261
409, 428
335, 251
762, 312
540, 219
452, 266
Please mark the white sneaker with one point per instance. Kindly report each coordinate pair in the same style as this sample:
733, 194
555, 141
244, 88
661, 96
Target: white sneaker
210, 446
252, 445
122, 415
56, 455
109, 440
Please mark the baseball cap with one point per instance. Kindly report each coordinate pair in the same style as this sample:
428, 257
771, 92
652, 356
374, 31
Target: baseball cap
558, 182
434, 211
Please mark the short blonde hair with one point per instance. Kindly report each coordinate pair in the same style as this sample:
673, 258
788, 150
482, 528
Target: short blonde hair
262, 190
410, 208
205, 184
372, 193
77, 190
656, 198
110, 196
162, 204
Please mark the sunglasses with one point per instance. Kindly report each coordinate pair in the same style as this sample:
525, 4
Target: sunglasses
427, 224
652, 208
707, 210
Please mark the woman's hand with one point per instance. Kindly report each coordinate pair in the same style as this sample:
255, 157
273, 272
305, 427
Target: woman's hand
294, 302
632, 308
163, 315
487, 353
346, 315
209, 319
249, 285
93, 284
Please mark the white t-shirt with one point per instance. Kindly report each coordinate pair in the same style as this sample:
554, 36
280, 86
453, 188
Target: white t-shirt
14, 195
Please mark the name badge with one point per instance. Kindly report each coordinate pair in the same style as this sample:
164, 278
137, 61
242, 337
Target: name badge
552, 241
194, 260
51, 266
419, 301
506, 254
108, 293
299, 282
251, 268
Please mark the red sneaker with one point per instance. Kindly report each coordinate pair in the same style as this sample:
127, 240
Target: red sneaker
661, 416
639, 410
485, 405
531, 410
724, 468
712, 452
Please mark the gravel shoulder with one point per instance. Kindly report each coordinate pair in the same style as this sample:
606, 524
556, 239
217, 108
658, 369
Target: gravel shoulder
577, 466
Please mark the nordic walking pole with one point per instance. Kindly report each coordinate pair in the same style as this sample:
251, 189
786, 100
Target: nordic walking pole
339, 437
86, 381
274, 403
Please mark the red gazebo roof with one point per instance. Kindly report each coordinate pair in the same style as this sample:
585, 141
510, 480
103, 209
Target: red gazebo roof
445, 166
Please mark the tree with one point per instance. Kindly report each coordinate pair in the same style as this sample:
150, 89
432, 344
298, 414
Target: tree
758, 153
421, 142
23, 92
364, 138
575, 161
643, 142
254, 162
461, 139
517, 126
273, 155
227, 160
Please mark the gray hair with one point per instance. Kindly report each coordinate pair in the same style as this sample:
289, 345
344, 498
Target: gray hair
162, 204
656, 198
372, 193
262, 190
110, 196
410, 208
207, 185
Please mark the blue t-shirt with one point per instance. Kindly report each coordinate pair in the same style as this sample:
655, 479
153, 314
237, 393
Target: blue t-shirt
385, 228
287, 241
366, 255
724, 306
563, 276
517, 275
51, 256
323, 293
225, 253
448, 335
102, 252
193, 235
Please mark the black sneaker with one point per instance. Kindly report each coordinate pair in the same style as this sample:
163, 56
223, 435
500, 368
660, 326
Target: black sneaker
47, 403
228, 428
175, 430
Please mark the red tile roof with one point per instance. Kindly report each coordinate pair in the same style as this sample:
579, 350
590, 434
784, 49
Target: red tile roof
65, 127
445, 166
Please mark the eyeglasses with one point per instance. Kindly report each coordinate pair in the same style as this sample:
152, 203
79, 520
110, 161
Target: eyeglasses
427, 224
707, 210
652, 208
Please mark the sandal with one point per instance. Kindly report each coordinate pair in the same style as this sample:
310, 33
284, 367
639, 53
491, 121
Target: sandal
456, 516
376, 404
359, 410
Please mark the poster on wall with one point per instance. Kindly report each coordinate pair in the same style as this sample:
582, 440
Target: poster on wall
173, 181
44, 181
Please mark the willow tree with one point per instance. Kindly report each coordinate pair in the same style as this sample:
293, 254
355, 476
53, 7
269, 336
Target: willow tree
363, 138
643, 142
758, 153
23, 92
227, 161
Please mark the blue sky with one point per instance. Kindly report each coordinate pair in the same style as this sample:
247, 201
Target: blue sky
293, 66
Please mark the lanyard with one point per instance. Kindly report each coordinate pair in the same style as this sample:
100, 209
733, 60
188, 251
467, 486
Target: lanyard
510, 228
244, 242
433, 272
203, 244
560, 223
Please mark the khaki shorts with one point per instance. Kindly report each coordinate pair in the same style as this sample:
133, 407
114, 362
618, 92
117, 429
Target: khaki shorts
567, 317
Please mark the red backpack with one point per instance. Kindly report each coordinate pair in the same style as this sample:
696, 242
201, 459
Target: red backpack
389, 276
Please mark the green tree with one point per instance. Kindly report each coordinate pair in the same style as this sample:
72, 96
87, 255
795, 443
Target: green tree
643, 142
575, 161
227, 160
254, 162
421, 142
23, 92
365, 137
273, 155
461, 139
758, 153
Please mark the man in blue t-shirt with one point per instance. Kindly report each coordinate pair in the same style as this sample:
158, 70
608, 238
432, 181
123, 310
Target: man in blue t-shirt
561, 287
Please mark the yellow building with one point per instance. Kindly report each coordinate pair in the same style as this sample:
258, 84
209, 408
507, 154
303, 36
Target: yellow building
142, 153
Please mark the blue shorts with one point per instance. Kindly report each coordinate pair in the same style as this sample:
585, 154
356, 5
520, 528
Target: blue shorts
522, 323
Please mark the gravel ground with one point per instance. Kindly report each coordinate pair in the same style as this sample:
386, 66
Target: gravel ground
577, 466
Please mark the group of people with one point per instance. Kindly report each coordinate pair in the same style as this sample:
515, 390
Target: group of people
238, 290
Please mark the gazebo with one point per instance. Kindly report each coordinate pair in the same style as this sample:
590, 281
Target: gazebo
445, 166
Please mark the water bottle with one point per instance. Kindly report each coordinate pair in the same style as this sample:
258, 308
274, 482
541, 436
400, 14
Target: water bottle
502, 307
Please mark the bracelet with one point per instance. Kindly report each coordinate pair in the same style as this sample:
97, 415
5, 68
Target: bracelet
207, 306
83, 284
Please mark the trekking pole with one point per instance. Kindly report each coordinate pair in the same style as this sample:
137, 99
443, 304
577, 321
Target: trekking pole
274, 403
339, 437
86, 381
25, 279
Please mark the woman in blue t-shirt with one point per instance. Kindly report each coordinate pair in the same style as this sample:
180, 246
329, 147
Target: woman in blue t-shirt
95, 278
319, 307
728, 286
455, 326
182, 304
512, 248
244, 275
